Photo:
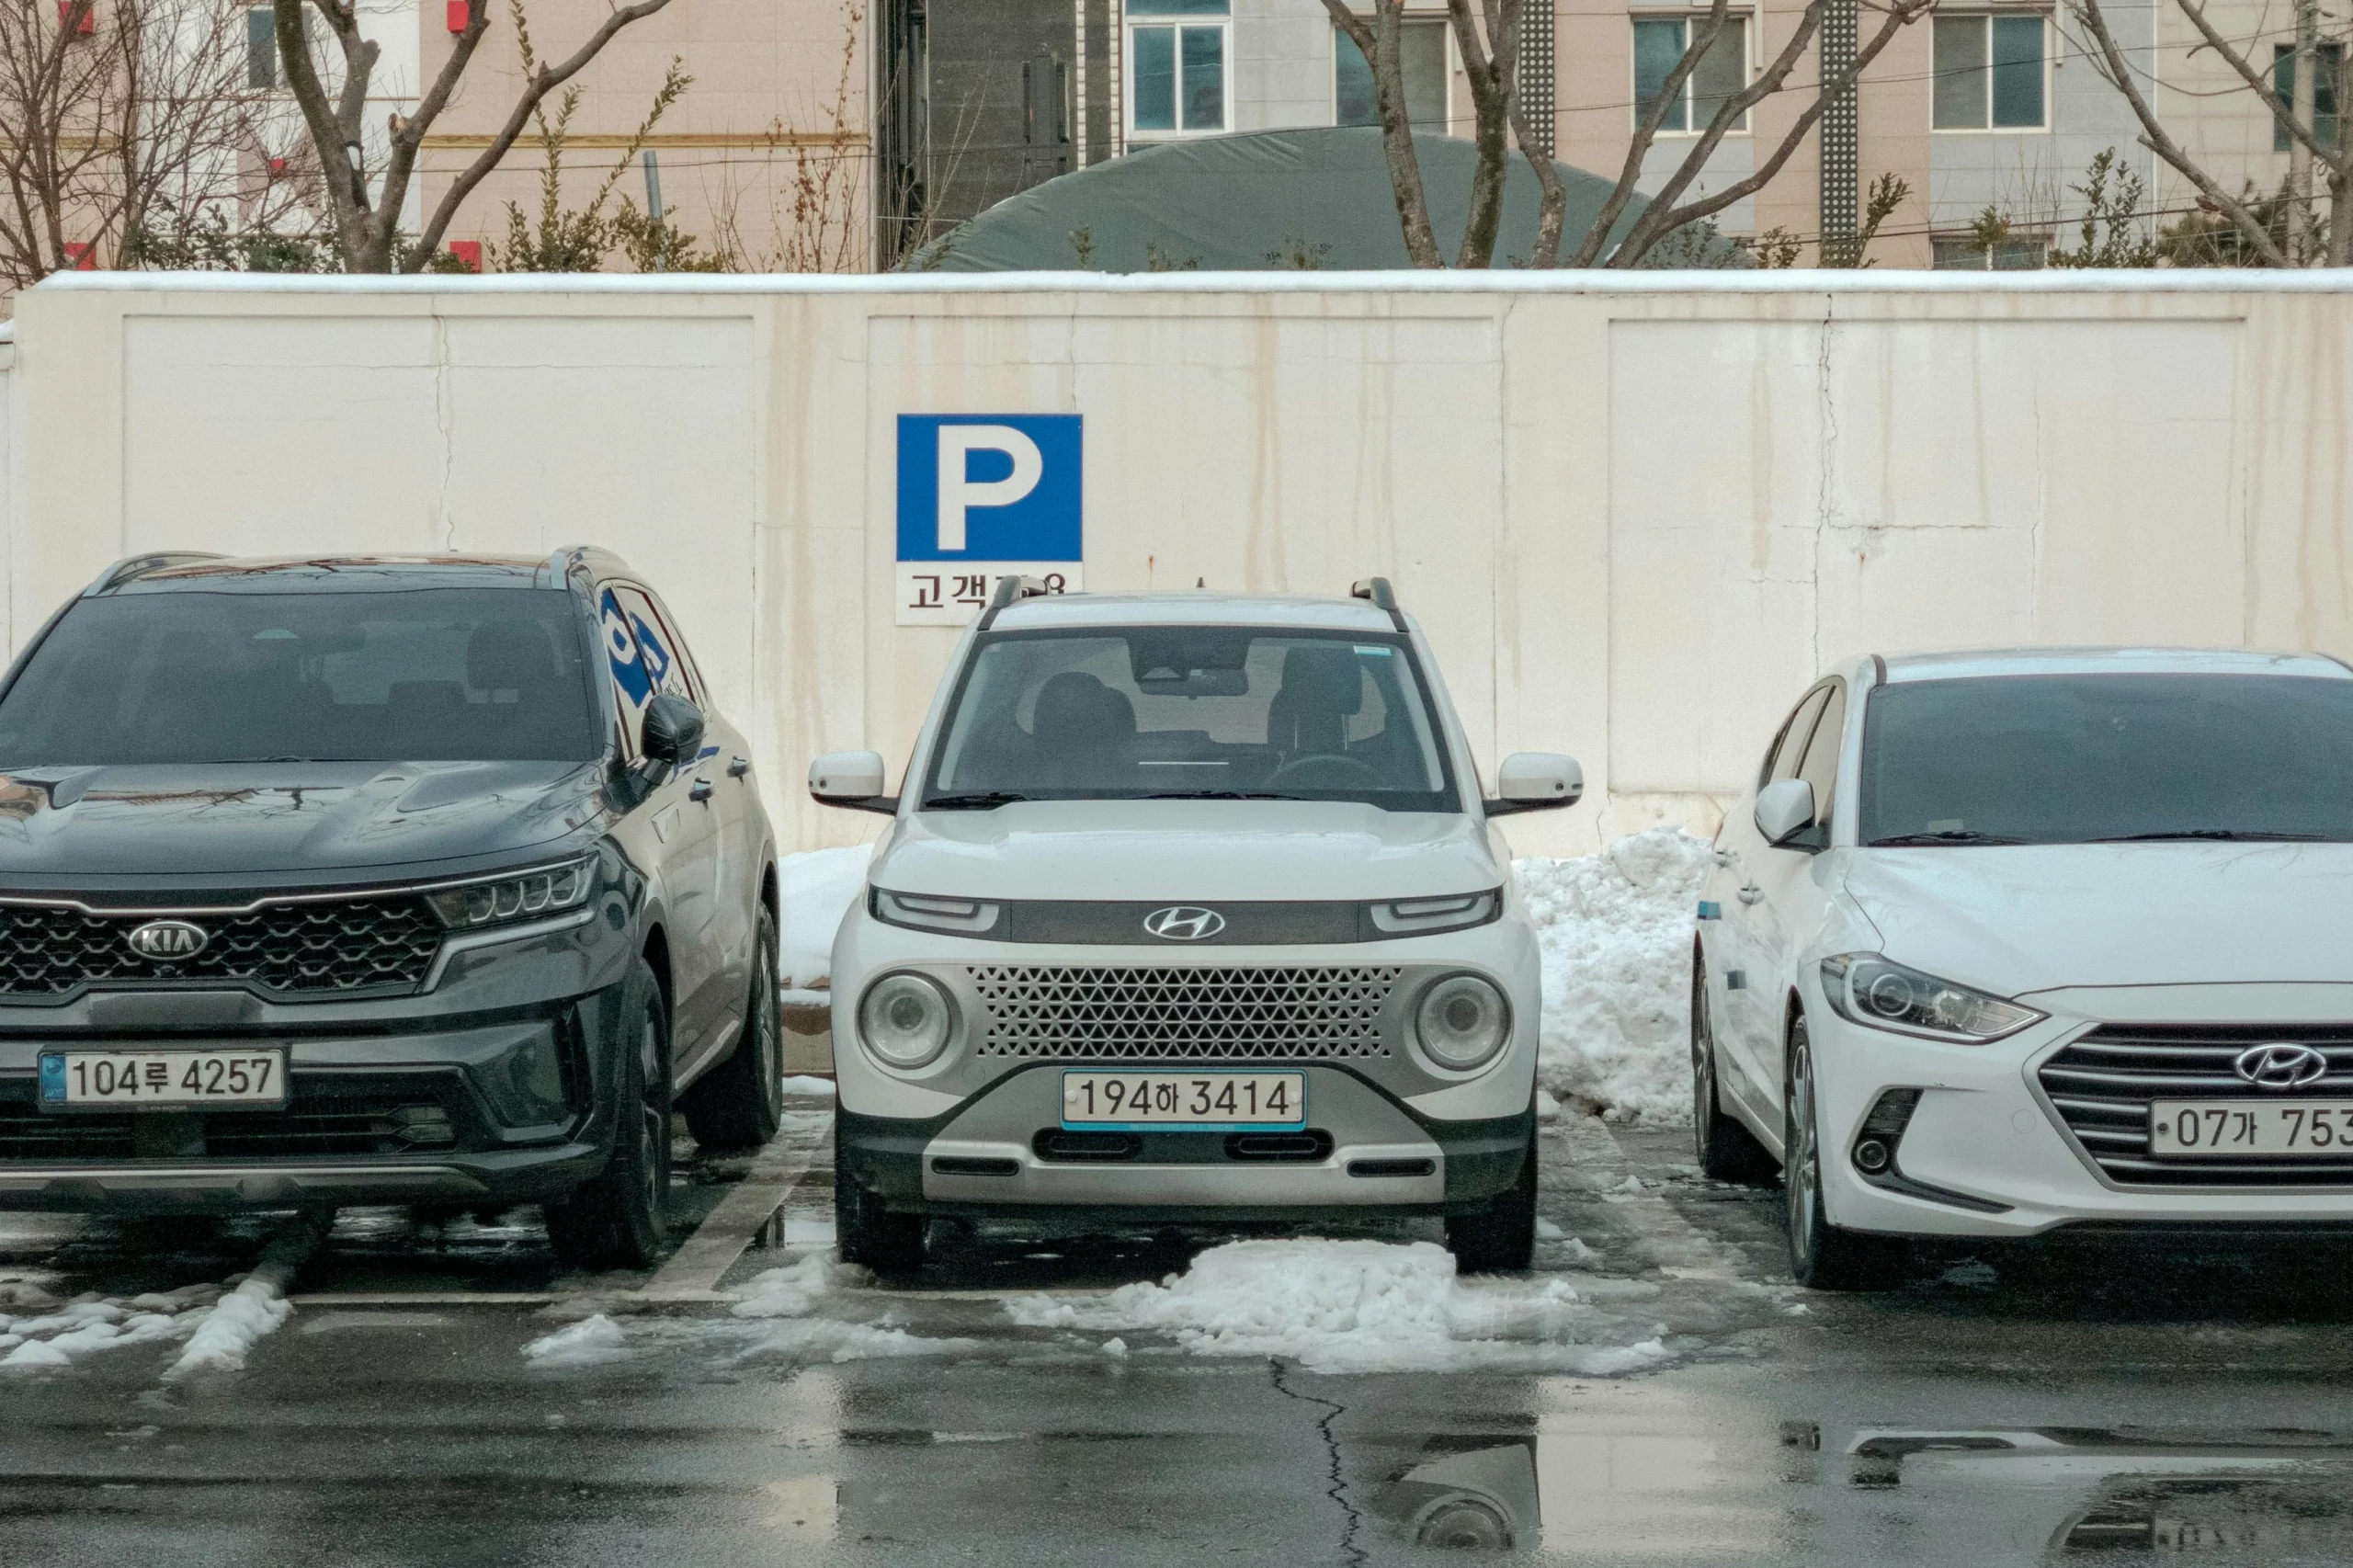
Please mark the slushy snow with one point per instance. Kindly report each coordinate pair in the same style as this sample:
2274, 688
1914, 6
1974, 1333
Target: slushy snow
1615, 929
36, 1330
1360, 1306
815, 888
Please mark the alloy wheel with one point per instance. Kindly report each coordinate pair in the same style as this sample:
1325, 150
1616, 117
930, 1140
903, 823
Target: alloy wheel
1803, 1179
654, 1116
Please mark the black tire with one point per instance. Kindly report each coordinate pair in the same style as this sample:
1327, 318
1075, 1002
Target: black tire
1824, 1257
1501, 1237
866, 1233
1725, 1149
738, 1104
619, 1218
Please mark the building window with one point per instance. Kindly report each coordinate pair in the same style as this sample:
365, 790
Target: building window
261, 50
2329, 59
1659, 43
1963, 253
1990, 73
1177, 55
1421, 46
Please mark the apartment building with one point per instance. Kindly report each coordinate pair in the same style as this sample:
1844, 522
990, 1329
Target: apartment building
1986, 105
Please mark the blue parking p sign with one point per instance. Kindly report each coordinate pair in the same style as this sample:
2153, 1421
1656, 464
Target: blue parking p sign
982, 496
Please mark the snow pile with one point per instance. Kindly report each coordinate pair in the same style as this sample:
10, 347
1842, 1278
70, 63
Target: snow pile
236, 1322
1616, 933
45, 1331
1358, 1306
800, 1084
584, 1344
793, 1290
815, 888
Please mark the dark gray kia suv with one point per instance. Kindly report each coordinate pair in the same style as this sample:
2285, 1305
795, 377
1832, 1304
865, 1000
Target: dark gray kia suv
433, 880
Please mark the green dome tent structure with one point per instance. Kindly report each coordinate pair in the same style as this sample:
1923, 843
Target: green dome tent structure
1299, 199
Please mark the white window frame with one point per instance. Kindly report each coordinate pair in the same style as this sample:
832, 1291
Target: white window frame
1749, 31
1180, 23
1991, 15
1986, 256
1453, 64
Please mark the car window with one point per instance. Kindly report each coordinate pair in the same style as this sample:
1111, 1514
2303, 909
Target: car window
664, 663
1782, 760
1820, 766
1154, 711
627, 667
424, 675
666, 626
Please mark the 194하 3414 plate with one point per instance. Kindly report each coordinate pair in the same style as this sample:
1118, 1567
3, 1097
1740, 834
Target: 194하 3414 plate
1130, 1101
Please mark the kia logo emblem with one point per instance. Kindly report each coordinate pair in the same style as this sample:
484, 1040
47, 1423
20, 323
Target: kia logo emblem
1183, 923
2281, 1066
168, 940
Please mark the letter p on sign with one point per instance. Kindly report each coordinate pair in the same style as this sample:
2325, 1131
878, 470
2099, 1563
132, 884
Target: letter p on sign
958, 490
977, 488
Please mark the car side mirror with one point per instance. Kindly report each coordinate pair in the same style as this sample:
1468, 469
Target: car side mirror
1784, 810
1536, 781
671, 731
851, 778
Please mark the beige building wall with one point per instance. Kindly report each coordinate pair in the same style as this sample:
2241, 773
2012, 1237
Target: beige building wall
768, 154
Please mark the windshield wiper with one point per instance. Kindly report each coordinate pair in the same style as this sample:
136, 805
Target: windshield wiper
1950, 836
1216, 795
2246, 834
978, 801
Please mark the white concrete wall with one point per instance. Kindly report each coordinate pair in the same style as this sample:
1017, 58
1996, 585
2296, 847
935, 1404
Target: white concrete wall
1635, 513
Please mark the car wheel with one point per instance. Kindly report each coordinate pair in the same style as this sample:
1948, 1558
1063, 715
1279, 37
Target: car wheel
1823, 1256
1726, 1150
739, 1103
619, 1218
865, 1232
1501, 1237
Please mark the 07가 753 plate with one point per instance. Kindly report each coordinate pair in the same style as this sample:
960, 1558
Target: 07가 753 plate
2308, 1130
1125, 1101
127, 1079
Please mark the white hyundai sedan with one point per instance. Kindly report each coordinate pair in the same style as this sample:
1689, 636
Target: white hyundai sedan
2001, 942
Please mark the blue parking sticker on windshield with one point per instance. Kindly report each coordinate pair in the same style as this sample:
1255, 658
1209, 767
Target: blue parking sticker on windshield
621, 653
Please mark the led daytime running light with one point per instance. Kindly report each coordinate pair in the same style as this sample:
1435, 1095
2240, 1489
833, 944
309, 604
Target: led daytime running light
545, 890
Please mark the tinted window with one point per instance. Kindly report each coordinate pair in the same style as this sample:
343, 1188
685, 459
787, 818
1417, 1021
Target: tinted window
433, 674
1185, 710
1789, 747
2061, 759
1820, 767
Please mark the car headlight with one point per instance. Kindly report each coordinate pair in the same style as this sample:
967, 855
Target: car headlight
518, 895
905, 1020
1463, 1021
1411, 916
926, 913
1865, 988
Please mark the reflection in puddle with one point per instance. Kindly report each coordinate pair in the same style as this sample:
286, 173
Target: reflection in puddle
1482, 1497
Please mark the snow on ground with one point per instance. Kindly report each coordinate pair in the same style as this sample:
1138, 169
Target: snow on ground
39, 1329
822, 1088
815, 887
1361, 1306
1616, 933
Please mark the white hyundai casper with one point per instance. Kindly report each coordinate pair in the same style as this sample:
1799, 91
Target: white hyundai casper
1190, 910
2002, 942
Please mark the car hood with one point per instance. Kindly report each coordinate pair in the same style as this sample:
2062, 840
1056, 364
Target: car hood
2034, 917
255, 823
1188, 851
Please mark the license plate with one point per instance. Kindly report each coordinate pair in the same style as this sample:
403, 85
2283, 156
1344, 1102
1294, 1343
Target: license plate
2209, 1129
1128, 1100
115, 1078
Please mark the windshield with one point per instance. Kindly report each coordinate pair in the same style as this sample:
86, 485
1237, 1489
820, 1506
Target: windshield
2072, 759
431, 675
1212, 711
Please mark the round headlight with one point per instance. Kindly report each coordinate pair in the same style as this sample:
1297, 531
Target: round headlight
1463, 1021
905, 1020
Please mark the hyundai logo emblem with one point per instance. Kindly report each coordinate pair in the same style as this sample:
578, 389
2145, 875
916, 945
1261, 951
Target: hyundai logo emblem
1183, 923
167, 941
2284, 1066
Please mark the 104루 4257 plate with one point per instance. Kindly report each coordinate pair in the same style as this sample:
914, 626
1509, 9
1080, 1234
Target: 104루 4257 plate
1131, 1100
127, 1079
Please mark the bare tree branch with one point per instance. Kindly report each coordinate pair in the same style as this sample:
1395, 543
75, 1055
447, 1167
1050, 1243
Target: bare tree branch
1552, 203
2154, 137
1646, 130
1384, 51
1663, 217
1491, 66
2263, 89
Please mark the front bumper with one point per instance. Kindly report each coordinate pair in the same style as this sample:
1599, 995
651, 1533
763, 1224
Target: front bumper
1985, 1137
492, 1087
995, 1156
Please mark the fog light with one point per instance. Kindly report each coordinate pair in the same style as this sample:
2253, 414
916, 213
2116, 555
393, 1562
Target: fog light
1882, 1129
1870, 1156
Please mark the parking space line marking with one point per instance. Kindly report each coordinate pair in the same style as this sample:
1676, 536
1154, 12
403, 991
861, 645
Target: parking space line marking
704, 1259
1664, 1235
423, 1299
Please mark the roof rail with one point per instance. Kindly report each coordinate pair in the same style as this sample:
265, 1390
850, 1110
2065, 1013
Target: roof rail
130, 566
1377, 589
1010, 590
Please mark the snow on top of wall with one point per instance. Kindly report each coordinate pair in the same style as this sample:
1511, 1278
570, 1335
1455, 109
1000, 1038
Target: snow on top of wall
2151, 281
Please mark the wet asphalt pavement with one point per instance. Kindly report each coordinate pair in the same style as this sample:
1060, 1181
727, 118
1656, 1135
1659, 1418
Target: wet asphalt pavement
2121, 1404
